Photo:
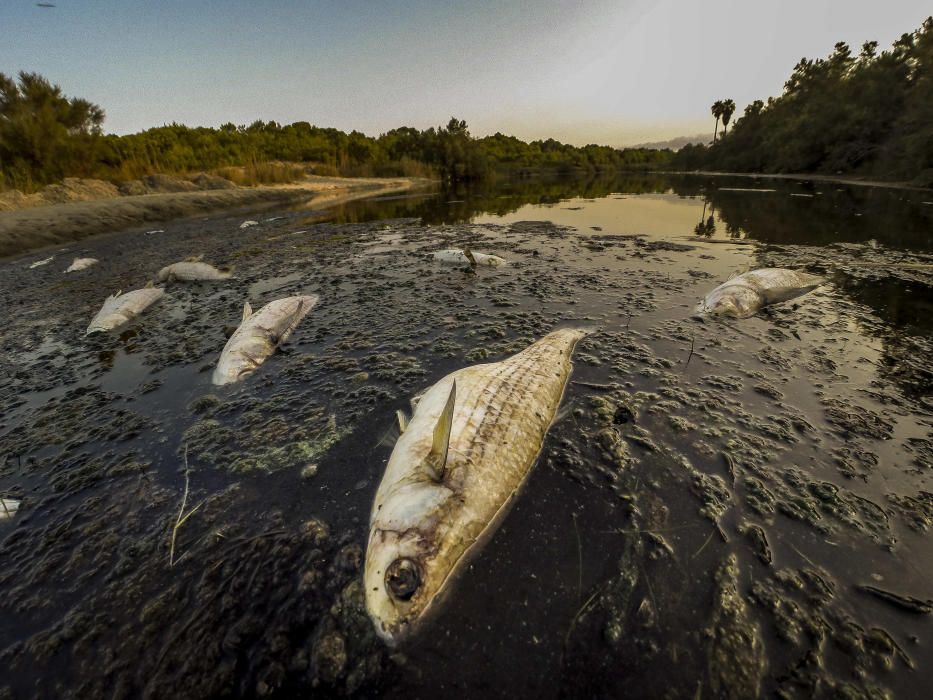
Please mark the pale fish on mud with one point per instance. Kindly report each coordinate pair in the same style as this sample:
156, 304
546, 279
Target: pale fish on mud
8, 508
122, 308
40, 263
259, 335
746, 294
467, 257
82, 264
191, 271
248, 223
459, 462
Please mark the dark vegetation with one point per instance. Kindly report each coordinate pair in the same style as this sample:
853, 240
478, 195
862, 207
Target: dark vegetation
45, 136
867, 114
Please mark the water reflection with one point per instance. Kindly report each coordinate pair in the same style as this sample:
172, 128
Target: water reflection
854, 227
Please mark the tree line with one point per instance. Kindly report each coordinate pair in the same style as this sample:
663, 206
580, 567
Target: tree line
45, 136
869, 113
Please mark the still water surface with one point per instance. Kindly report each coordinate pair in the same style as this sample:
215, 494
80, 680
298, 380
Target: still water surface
702, 521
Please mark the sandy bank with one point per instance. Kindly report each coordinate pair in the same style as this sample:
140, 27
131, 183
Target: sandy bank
805, 177
37, 227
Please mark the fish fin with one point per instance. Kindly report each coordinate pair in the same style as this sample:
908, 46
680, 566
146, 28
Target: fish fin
117, 293
775, 295
247, 311
150, 284
562, 413
390, 437
402, 420
469, 256
194, 258
437, 457
415, 400
277, 340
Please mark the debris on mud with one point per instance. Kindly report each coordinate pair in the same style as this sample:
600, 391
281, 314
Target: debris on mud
736, 653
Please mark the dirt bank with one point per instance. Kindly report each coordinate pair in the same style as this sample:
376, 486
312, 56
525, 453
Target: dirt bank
55, 224
806, 177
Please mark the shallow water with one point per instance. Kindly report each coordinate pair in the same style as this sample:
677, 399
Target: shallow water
698, 523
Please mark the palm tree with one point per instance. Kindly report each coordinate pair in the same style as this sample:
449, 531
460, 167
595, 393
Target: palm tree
717, 110
728, 109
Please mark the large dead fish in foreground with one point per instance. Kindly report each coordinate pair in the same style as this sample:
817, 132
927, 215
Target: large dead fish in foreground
191, 271
745, 295
81, 264
121, 308
462, 458
259, 335
467, 257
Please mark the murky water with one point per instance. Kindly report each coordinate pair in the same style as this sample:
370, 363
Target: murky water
728, 508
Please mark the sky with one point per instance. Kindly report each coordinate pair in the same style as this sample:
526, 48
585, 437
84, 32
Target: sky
616, 72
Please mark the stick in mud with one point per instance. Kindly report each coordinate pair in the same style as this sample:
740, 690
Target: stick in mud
182, 517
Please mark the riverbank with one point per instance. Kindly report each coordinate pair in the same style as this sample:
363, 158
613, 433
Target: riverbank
807, 177
37, 227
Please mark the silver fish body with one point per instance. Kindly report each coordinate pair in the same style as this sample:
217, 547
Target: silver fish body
122, 308
745, 295
81, 264
40, 263
191, 271
8, 508
259, 335
431, 510
459, 257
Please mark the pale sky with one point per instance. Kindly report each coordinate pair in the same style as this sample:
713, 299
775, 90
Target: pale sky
610, 72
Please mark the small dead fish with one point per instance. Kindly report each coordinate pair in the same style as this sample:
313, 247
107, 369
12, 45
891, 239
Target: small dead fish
458, 463
8, 508
82, 264
122, 308
248, 223
746, 294
40, 263
191, 271
467, 257
259, 335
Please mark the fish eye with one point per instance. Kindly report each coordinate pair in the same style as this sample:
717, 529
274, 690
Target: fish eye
402, 579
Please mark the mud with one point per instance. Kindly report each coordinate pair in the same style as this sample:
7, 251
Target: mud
705, 509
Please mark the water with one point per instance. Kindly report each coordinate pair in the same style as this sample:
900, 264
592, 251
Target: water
698, 523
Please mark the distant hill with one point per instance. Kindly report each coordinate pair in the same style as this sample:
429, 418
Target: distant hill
676, 143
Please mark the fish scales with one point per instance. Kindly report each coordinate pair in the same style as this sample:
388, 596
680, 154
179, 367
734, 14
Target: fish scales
501, 414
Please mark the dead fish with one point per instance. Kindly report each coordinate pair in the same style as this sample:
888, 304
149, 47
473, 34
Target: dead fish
746, 294
458, 463
191, 271
467, 257
8, 508
259, 335
82, 264
121, 308
40, 263
248, 223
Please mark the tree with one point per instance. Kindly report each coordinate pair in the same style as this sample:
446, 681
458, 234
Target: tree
717, 110
45, 135
728, 109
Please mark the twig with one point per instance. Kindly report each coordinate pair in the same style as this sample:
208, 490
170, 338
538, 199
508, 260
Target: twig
182, 516
573, 622
594, 385
696, 553
579, 559
693, 340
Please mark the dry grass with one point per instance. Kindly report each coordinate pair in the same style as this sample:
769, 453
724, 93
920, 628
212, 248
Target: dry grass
269, 173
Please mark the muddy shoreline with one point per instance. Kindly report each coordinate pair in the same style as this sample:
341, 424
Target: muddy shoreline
37, 228
805, 177
714, 514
